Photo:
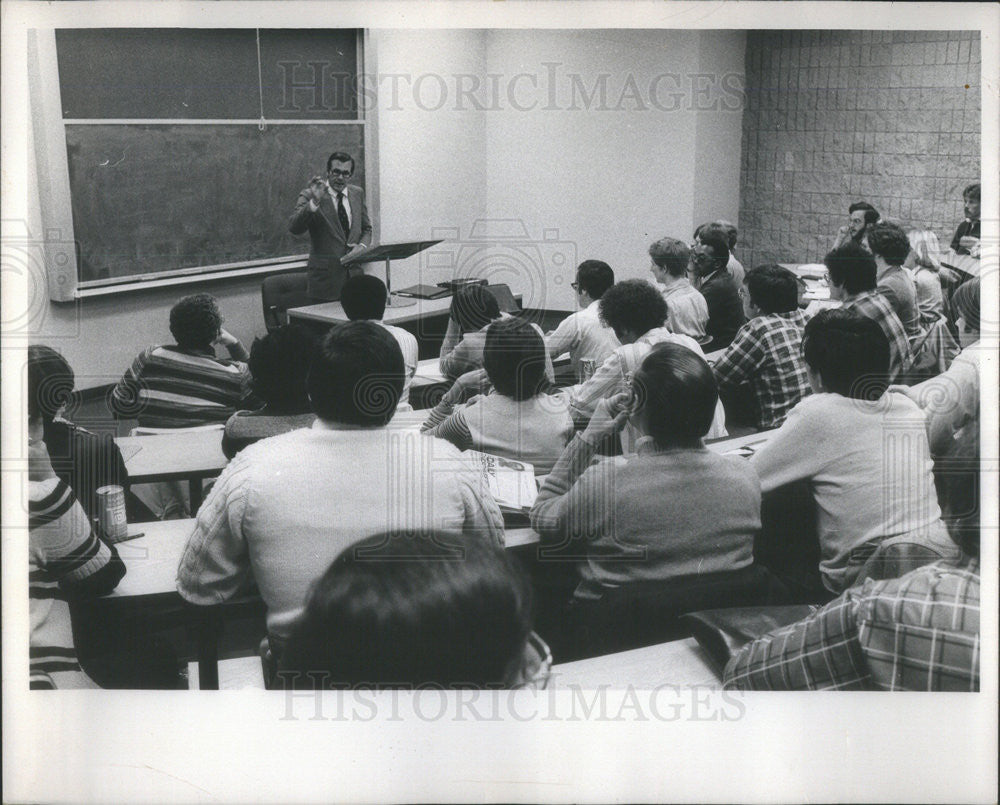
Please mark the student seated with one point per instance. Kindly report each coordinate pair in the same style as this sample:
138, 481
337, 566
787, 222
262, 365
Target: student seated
83, 460
861, 215
673, 510
285, 507
709, 257
403, 610
891, 247
863, 449
967, 235
473, 310
636, 312
185, 384
925, 269
850, 274
587, 339
916, 632
65, 560
767, 351
950, 401
517, 420
687, 310
278, 365
729, 234
363, 297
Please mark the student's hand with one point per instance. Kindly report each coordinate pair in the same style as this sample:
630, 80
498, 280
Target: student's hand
609, 417
906, 391
971, 245
39, 463
226, 339
473, 383
317, 189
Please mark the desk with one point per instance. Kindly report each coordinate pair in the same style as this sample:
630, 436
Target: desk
814, 276
680, 662
186, 455
332, 312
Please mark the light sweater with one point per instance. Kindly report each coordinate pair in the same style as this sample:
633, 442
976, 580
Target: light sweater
870, 472
658, 515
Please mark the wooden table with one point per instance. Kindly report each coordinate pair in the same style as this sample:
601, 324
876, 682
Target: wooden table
190, 456
680, 662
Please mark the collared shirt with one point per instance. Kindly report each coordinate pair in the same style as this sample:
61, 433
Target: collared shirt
333, 197
285, 507
687, 310
917, 632
585, 336
896, 285
767, 353
877, 307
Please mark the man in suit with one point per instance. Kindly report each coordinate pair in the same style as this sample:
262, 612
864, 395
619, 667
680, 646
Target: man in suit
334, 214
725, 309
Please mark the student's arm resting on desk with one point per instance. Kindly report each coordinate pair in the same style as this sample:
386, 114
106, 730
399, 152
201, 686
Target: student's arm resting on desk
794, 451
821, 652
65, 544
563, 338
216, 563
574, 496
475, 382
606, 381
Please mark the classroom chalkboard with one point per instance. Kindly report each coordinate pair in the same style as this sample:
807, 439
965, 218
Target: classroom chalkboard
152, 198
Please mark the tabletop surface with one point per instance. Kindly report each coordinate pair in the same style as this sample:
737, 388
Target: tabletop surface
680, 662
172, 455
334, 311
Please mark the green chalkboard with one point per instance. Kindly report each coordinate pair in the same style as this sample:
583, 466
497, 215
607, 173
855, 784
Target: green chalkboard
153, 198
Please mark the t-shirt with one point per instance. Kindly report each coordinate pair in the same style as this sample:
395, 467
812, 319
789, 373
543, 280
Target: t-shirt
584, 336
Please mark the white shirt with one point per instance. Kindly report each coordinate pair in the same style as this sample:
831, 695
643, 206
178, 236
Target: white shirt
584, 336
333, 197
411, 352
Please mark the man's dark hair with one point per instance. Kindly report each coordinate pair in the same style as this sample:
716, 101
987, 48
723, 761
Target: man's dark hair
889, 242
677, 393
852, 267
973, 191
871, 214
773, 289
363, 297
514, 359
850, 352
50, 382
716, 241
400, 610
279, 363
672, 255
633, 305
594, 277
356, 376
195, 321
473, 307
339, 156
724, 229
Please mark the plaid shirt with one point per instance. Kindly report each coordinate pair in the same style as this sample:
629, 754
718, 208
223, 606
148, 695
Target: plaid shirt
875, 306
917, 632
767, 353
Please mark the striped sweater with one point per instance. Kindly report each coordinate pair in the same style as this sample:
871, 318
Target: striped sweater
170, 387
65, 558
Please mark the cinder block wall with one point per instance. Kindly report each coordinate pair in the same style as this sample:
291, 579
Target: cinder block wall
833, 117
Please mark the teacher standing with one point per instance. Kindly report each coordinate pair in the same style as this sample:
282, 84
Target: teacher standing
334, 214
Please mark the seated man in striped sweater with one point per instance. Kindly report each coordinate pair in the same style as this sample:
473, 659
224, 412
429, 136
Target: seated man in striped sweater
65, 558
185, 384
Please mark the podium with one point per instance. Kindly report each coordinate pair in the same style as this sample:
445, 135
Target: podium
388, 252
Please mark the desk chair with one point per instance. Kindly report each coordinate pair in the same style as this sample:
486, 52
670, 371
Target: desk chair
280, 292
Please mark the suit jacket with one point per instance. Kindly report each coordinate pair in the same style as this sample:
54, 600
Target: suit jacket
329, 241
725, 310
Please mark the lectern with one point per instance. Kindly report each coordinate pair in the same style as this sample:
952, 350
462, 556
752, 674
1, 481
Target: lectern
388, 252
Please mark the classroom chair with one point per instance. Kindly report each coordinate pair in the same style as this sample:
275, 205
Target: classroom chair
281, 292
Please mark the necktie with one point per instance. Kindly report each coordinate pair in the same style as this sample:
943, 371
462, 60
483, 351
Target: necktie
342, 213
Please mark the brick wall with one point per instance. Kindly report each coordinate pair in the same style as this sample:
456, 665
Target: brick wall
834, 117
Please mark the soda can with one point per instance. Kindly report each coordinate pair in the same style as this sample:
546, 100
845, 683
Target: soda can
111, 513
